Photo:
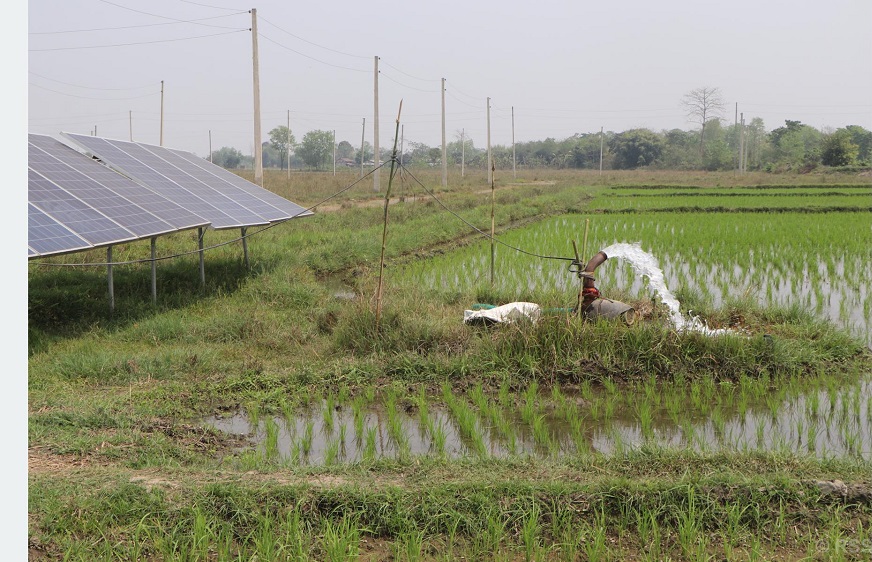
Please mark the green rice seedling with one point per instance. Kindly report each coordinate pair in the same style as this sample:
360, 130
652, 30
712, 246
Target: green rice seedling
395, 427
813, 403
369, 394
586, 390
253, 411
341, 541
466, 420
327, 413
308, 435
289, 418
331, 452
358, 414
271, 443
505, 394
424, 421
438, 437
343, 430
343, 395
369, 448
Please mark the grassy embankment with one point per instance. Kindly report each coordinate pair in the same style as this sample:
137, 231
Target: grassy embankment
122, 467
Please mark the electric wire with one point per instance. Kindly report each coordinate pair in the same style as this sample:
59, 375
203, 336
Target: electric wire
263, 19
91, 97
167, 17
209, 6
472, 226
136, 26
409, 75
406, 85
220, 244
309, 57
91, 87
137, 43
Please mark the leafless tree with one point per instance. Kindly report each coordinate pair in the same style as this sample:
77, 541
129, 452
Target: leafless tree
702, 105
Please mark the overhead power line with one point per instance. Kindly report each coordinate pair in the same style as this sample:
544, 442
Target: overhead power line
309, 57
176, 22
410, 76
406, 85
92, 87
311, 42
92, 97
138, 42
164, 17
208, 6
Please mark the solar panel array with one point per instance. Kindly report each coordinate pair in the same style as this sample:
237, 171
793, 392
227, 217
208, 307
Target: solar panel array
210, 191
77, 203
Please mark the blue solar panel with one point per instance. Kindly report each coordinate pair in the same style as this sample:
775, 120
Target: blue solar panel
133, 168
287, 207
46, 236
129, 215
151, 202
250, 201
219, 198
88, 223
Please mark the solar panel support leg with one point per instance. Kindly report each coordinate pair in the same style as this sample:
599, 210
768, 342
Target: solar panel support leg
202, 257
245, 248
153, 271
111, 282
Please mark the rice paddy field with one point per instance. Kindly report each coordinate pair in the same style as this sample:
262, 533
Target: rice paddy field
274, 414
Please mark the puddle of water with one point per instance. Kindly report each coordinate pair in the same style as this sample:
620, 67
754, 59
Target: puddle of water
822, 423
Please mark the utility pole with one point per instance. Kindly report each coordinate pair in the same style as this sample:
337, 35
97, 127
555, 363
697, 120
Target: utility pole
601, 150
362, 136
289, 144
161, 110
514, 171
130, 115
490, 172
210, 146
334, 152
375, 158
742, 163
462, 151
444, 149
258, 146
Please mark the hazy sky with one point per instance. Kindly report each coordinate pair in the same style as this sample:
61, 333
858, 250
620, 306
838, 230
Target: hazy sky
565, 67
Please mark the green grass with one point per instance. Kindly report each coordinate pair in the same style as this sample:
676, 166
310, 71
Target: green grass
122, 466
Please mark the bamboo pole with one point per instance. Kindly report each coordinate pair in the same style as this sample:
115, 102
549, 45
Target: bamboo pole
493, 225
378, 295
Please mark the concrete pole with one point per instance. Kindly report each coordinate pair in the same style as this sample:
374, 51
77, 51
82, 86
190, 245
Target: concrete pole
289, 144
258, 146
490, 172
444, 146
462, 152
362, 136
514, 171
601, 150
161, 111
375, 158
741, 143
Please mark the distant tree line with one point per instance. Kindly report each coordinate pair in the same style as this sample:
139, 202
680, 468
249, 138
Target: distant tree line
714, 146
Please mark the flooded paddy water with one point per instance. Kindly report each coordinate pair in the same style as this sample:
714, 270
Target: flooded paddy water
833, 421
821, 265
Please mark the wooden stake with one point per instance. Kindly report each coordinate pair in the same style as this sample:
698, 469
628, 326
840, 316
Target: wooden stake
378, 294
493, 226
